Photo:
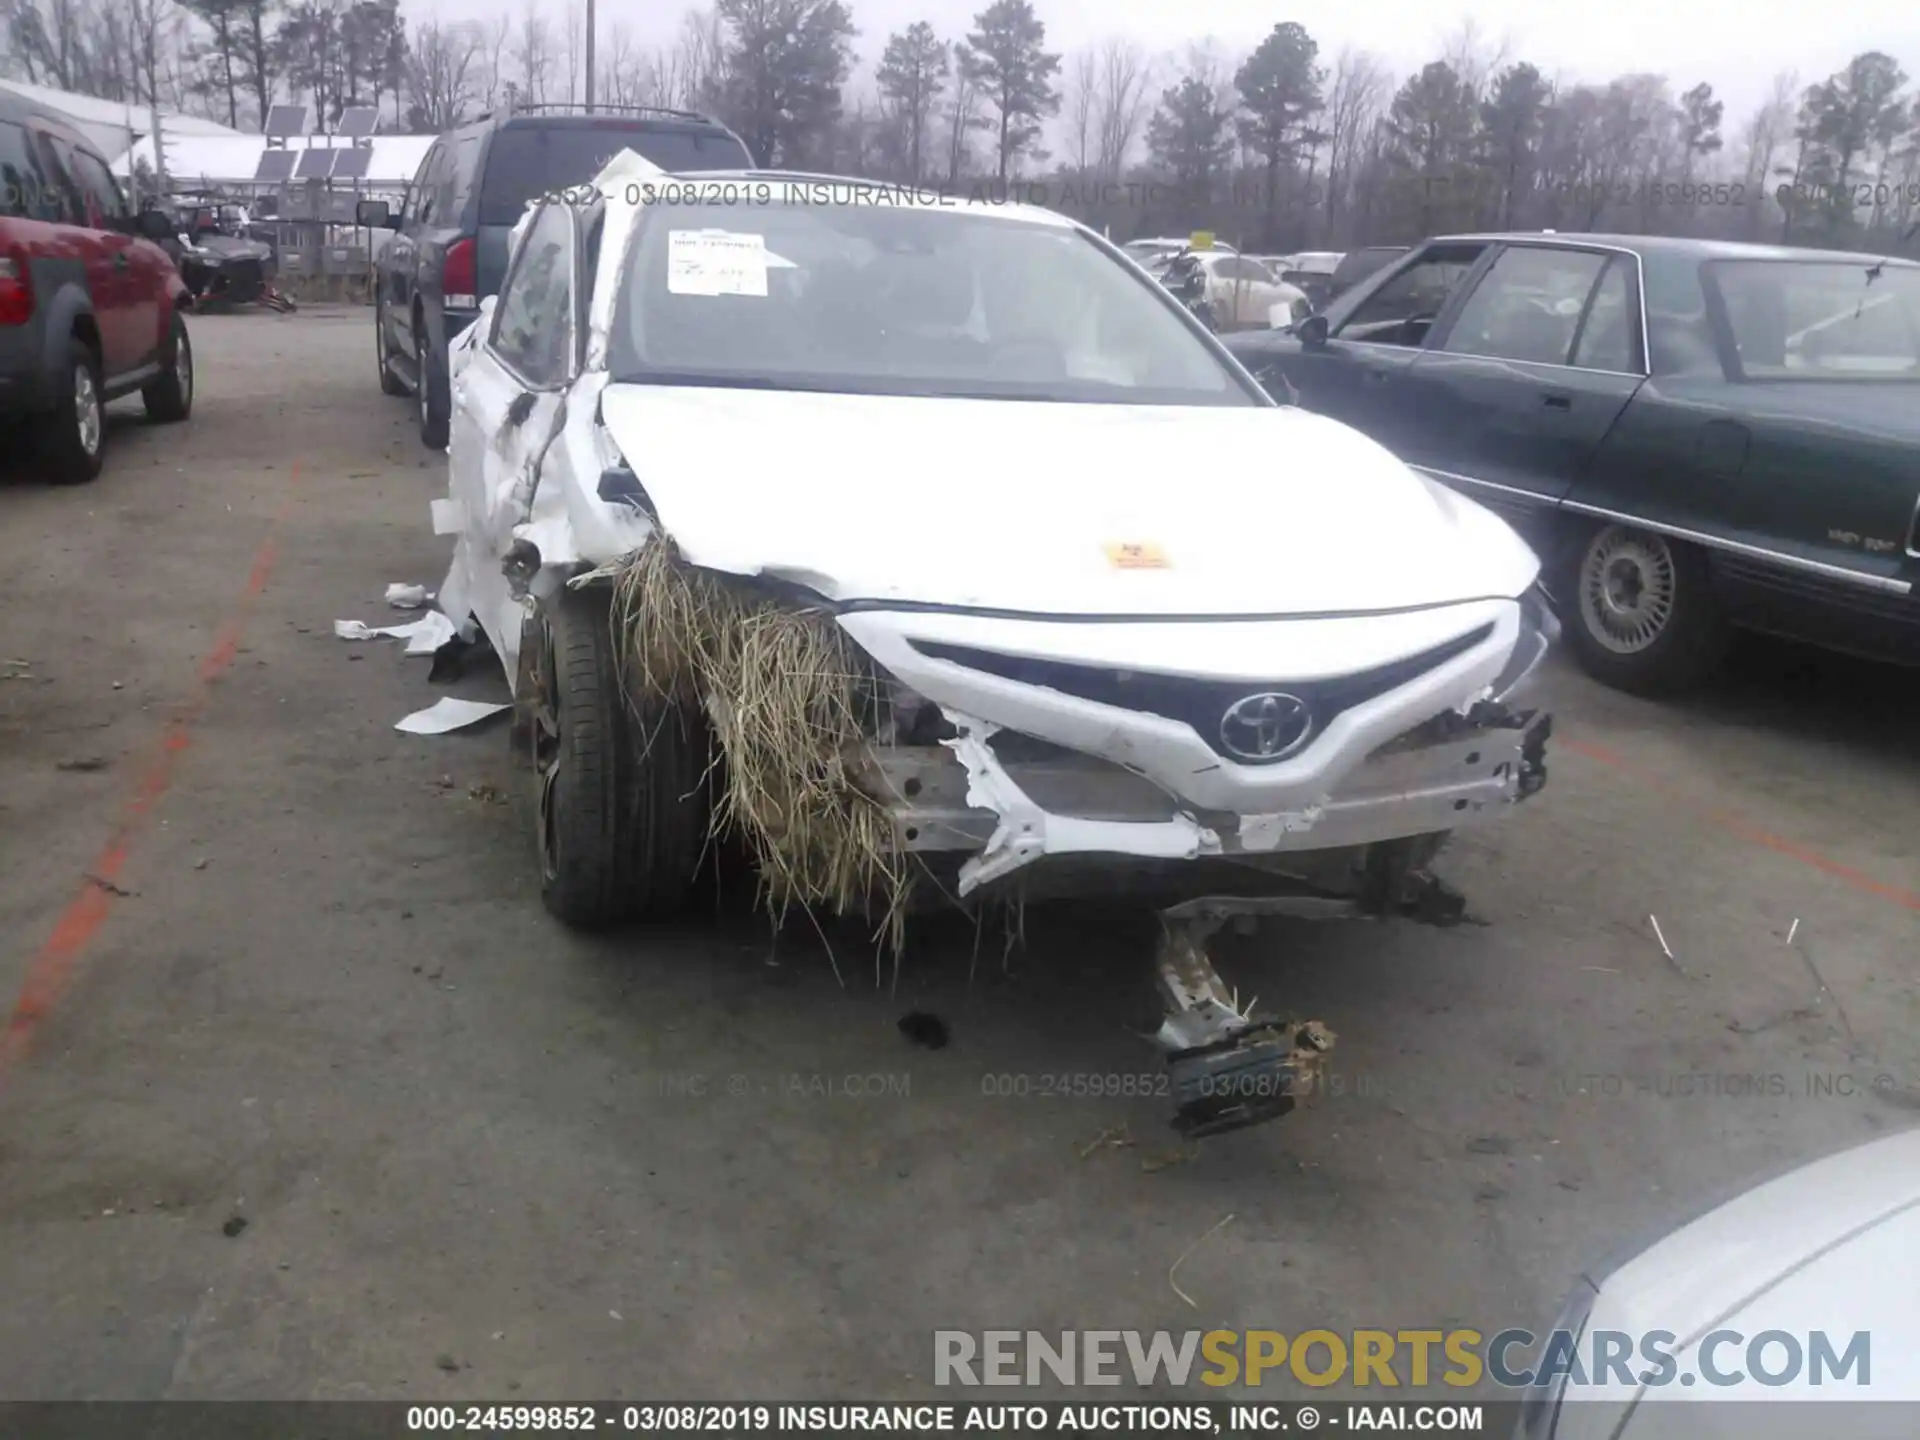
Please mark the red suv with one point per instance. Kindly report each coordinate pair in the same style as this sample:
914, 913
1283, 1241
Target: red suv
89, 304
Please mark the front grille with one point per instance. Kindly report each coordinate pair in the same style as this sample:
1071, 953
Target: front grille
1202, 705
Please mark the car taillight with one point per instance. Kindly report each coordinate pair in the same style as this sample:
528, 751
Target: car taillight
16, 290
457, 274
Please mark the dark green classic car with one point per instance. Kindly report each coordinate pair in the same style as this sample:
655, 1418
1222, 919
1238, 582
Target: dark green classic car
1693, 435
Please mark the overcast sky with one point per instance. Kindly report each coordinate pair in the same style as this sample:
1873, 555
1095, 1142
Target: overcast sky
1736, 45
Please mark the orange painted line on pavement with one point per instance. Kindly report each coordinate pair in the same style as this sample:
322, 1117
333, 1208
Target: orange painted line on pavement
51, 970
1740, 829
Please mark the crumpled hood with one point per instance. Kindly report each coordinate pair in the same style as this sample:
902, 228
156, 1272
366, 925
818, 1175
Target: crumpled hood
1022, 506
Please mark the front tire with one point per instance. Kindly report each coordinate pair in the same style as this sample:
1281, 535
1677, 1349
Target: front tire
72, 438
169, 399
390, 383
622, 808
1640, 610
435, 406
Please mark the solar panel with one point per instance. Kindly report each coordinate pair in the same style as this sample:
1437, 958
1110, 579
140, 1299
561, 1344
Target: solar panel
351, 164
358, 121
275, 166
283, 120
316, 163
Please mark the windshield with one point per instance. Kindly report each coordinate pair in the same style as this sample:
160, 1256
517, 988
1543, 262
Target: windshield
901, 301
529, 160
1821, 320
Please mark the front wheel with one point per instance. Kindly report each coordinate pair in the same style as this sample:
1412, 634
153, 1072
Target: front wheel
432, 389
72, 438
1641, 610
169, 398
622, 801
390, 384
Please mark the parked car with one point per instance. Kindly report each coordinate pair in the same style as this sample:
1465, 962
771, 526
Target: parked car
1321, 687
1358, 265
1741, 1298
1157, 251
1693, 434
1241, 292
1312, 272
89, 303
450, 247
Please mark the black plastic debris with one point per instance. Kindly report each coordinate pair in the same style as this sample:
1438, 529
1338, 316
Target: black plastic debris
927, 1031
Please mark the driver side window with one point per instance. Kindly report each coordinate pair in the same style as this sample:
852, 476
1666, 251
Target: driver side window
533, 319
1403, 309
420, 194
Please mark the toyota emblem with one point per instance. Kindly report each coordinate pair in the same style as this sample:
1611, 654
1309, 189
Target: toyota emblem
1265, 727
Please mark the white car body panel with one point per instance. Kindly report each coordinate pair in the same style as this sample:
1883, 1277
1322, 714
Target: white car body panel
1833, 1246
833, 490
1285, 548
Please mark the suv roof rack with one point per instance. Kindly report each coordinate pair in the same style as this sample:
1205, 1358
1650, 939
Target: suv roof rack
509, 110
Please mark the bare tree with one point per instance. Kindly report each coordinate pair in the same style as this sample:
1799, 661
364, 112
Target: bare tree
576, 44
441, 73
1123, 96
962, 115
1082, 109
533, 53
1356, 100
699, 60
622, 67
496, 54
1474, 58
1764, 135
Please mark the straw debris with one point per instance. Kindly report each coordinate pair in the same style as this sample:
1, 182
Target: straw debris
789, 697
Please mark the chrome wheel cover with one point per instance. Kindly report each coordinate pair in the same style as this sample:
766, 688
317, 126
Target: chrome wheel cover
183, 368
1627, 589
86, 409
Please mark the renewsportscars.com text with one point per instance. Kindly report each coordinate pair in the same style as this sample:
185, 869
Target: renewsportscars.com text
1392, 1359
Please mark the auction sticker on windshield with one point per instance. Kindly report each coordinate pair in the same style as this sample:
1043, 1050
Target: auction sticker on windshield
716, 262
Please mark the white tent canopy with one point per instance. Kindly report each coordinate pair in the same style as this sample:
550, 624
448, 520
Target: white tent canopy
234, 159
111, 126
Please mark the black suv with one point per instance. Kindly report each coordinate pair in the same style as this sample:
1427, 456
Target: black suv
451, 249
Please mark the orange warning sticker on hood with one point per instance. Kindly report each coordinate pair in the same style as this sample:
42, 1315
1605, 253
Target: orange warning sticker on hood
1136, 555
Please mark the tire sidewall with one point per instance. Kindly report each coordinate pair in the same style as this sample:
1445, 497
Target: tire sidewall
432, 401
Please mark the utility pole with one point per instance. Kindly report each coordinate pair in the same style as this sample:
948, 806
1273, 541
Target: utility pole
589, 57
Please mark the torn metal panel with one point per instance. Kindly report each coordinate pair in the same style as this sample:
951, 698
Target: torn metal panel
1229, 1068
1025, 832
624, 184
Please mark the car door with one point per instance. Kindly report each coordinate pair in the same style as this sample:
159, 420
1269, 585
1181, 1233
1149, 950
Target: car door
1511, 399
1374, 335
403, 250
143, 277
105, 256
507, 401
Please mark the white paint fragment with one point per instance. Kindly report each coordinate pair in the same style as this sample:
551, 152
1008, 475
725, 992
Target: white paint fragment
716, 262
446, 714
423, 636
407, 597
1264, 832
1026, 832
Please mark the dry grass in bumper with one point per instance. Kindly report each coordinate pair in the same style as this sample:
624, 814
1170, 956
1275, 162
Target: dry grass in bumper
788, 695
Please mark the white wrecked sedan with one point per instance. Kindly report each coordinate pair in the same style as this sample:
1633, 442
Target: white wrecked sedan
929, 549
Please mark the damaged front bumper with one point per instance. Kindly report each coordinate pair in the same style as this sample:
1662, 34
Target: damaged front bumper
1345, 824
1005, 801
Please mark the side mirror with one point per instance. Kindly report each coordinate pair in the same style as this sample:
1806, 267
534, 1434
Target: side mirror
374, 215
1311, 332
153, 225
